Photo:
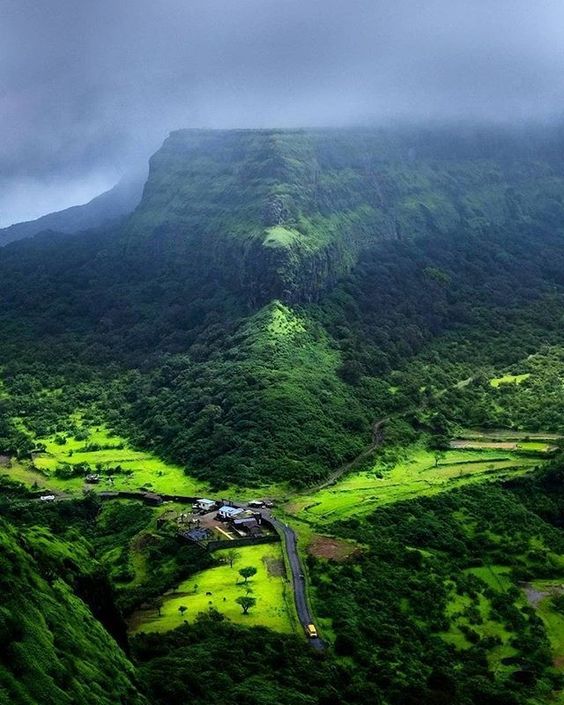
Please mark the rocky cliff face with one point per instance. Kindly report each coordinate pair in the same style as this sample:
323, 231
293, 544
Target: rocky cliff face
284, 214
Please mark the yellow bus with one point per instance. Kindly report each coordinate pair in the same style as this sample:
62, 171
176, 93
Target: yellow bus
311, 631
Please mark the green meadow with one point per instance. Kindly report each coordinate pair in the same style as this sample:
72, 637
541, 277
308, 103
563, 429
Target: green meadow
273, 609
417, 474
504, 434
552, 618
474, 614
102, 450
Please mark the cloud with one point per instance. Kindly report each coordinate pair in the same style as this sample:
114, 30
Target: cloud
88, 89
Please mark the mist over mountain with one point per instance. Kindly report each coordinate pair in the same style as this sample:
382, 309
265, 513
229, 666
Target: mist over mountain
101, 85
101, 210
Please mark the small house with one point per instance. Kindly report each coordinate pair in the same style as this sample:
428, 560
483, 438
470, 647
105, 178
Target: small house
204, 505
226, 513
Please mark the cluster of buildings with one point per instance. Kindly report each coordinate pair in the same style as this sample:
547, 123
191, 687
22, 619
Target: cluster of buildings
243, 522
212, 519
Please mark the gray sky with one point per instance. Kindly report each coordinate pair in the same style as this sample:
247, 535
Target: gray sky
90, 87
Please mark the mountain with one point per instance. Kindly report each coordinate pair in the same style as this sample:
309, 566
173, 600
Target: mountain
281, 214
271, 284
101, 210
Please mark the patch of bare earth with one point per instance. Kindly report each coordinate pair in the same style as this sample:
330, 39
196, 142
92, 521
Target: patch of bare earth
487, 445
332, 549
536, 595
274, 566
4, 461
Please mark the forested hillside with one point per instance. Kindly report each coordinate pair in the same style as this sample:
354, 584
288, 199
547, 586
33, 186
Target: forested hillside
106, 208
56, 608
253, 316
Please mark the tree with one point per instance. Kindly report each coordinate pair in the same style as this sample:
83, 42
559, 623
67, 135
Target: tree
246, 603
182, 609
438, 455
232, 555
158, 605
247, 572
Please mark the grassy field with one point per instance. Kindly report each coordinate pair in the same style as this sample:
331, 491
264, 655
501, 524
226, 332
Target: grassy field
504, 439
102, 449
416, 475
475, 613
268, 586
553, 620
524, 446
504, 434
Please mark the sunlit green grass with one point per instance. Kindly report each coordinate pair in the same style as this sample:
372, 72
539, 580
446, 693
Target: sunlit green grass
509, 379
504, 434
144, 470
496, 576
532, 446
489, 627
225, 585
553, 621
417, 475
279, 236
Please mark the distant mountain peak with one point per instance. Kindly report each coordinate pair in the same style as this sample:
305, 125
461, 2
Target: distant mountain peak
101, 210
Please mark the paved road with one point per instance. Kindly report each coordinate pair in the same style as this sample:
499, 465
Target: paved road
304, 614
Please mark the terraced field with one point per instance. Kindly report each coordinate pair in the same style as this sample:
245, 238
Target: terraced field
419, 473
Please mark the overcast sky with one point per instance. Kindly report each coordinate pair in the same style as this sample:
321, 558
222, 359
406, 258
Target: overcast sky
89, 88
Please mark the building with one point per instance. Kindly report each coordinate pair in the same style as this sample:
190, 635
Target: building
196, 535
247, 525
204, 505
226, 513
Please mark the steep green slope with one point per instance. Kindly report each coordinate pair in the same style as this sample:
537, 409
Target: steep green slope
52, 649
283, 214
274, 295
267, 404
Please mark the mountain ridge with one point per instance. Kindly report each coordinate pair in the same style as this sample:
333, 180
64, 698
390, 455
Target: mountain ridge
103, 210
